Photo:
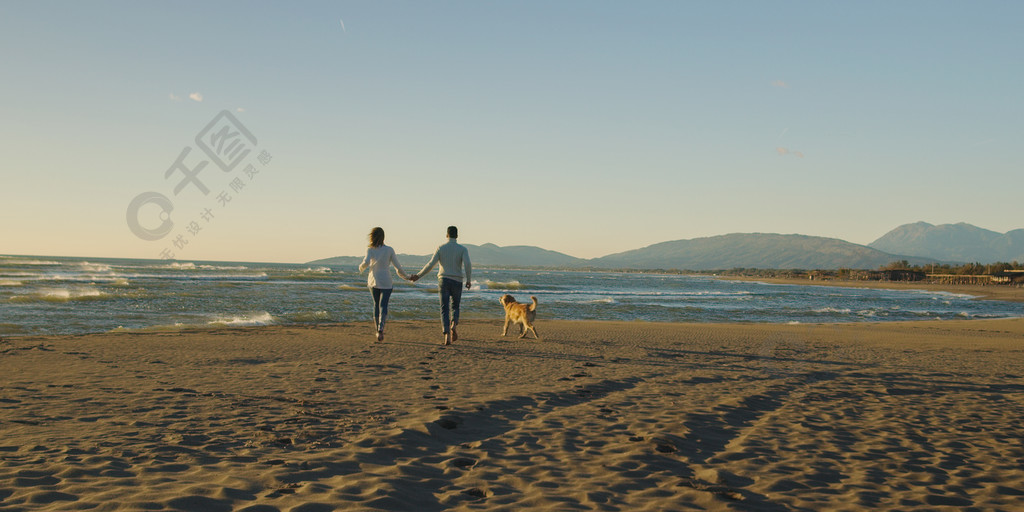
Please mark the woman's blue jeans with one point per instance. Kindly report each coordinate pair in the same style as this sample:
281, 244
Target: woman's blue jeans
381, 296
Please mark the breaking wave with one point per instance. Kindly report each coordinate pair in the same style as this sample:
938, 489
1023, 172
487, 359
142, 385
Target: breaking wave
62, 295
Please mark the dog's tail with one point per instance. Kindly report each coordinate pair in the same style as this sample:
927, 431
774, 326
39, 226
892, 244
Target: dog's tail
533, 307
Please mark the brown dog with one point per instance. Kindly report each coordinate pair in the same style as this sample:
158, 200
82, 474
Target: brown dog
522, 314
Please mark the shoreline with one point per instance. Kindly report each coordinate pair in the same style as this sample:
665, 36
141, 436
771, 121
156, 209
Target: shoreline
596, 416
976, 292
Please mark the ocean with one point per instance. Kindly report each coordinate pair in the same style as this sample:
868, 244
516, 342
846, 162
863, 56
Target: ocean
51, 295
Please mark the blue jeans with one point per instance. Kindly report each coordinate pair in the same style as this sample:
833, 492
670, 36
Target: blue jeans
380, 306
449, 289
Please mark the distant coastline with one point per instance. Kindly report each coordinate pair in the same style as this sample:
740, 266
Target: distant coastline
983, 292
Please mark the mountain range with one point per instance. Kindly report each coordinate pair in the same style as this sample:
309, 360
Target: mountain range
961, 243
918, 243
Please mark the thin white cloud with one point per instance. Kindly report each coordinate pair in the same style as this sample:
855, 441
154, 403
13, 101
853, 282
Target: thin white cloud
239, 109
196, 96
780, 83
786, 151
175, 97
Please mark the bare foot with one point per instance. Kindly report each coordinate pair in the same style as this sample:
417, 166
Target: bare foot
455, 334
447, 338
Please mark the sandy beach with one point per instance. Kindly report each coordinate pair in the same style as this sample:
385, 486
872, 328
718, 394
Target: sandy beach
597, 416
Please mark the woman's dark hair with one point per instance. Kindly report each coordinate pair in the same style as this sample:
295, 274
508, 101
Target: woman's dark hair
376, 237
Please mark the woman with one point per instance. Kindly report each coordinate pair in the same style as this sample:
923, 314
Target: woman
379, 258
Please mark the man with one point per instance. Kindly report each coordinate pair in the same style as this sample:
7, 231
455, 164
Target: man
453, 259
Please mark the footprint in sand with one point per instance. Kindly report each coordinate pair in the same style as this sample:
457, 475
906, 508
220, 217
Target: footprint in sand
448, 422
664, 447
462, 462
476, 493
288, 489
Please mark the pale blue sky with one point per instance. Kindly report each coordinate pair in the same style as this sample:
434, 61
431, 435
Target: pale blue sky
583, 127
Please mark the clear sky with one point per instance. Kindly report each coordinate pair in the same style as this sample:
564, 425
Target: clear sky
579, 126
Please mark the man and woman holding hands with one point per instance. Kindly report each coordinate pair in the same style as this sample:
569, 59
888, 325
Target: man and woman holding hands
454, 267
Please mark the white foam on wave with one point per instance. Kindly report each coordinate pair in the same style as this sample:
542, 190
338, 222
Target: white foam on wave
18, 275
93, 267
842, 311
71, 278
188, 265
319, 270
5, 260
257, 276
252, 320
4, 282
152, 328
62, 295
262, 318
252, 276
944, 295
217, 267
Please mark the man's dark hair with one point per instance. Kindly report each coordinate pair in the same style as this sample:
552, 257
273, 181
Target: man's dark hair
453, 232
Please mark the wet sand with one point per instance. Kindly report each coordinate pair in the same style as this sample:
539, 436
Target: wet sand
597, 416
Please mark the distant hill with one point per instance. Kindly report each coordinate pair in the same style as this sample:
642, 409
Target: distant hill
753, 250
954, 243
739, 250
482, 255
520, 255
